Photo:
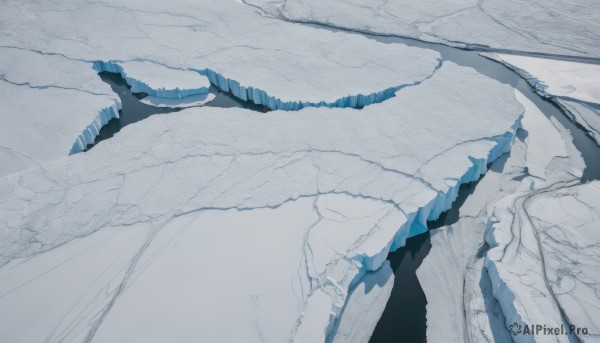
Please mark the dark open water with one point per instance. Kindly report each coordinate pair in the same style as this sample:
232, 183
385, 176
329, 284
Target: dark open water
133, 110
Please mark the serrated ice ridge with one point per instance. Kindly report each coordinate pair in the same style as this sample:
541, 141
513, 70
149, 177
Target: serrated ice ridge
260, 97
88, 135
139, 86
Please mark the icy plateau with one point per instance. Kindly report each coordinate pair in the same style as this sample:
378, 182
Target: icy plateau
214, 224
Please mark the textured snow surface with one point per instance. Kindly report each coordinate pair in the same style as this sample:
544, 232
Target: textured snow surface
567, 224
172, 51
516, 262
541, 26
278, 64
573, 85
198, 203
50, 106
479, 292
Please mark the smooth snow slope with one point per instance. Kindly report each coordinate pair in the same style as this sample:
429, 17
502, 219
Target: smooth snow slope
536, 26
228, 218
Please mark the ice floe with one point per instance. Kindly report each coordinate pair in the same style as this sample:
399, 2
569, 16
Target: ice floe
226, 218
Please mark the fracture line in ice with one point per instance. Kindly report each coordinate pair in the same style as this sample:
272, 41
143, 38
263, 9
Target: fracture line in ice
248, 93
88, 135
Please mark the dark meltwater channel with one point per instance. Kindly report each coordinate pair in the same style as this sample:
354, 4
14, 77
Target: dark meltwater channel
403, 317
133, 110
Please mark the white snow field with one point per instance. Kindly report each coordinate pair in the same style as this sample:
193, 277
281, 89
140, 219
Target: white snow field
573, 85
50, 107
547, 27
53, 104
230, 225
186, 225
277, 64
523, 249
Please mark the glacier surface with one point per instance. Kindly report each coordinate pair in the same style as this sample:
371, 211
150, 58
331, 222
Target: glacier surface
50, 106
542, 27
273, 63
174, 236
186, 225
173, 54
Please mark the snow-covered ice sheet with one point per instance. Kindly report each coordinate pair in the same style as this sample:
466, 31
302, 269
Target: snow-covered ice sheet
266, 232
464, 304
52, 102
567, 224
50, 106
573, 85
538, 26
54, 106
277, 64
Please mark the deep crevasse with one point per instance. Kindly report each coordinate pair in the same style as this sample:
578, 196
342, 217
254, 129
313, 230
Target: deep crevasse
248, 93
140, 86
417, 221
261, 97
255, 95
88, 135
